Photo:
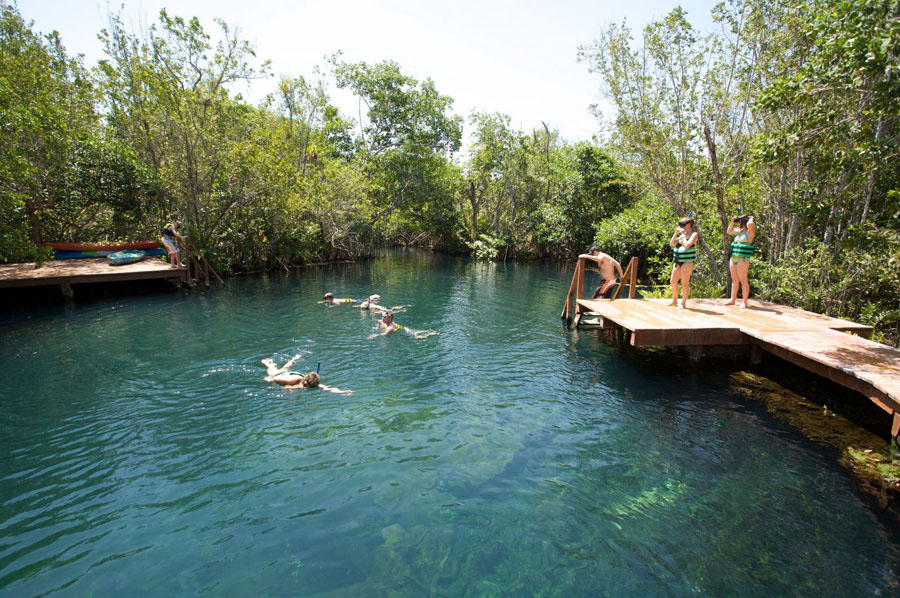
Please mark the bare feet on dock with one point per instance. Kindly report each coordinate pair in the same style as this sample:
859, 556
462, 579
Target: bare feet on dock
673, 304
730, 303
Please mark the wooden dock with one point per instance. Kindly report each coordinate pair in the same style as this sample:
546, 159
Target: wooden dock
835, 349
65, 273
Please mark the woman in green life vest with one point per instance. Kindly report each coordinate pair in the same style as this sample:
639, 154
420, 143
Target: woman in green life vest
744, 231
684, 254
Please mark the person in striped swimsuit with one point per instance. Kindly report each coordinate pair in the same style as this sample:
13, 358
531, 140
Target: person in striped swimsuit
684, 254
744, 231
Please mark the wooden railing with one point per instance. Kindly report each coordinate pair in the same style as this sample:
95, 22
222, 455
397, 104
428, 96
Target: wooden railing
196, 265
572, 311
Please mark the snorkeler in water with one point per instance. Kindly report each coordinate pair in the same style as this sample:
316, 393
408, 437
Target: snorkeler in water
330, 299
284, 376
388, 325
370, 303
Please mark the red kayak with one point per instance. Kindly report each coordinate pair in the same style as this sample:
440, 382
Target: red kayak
103, 246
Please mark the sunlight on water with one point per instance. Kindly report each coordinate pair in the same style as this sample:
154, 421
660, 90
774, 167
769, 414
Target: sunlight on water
142, 453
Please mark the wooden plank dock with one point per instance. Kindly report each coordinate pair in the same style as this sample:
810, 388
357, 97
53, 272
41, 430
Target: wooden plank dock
833, 348
65, 273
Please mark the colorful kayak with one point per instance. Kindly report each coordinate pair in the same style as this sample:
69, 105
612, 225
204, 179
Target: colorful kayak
80, 255
125, 257
111, 247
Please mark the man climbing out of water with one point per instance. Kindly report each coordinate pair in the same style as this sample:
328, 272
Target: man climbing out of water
608, 268
285, 377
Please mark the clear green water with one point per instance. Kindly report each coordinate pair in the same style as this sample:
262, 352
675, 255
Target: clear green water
142, 454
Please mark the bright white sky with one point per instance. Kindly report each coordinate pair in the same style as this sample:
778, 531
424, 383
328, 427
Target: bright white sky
517, 57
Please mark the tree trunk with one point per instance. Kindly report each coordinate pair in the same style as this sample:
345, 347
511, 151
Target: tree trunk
720, 202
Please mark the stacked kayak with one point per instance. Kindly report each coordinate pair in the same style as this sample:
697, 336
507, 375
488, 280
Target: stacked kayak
70, 251
128, 256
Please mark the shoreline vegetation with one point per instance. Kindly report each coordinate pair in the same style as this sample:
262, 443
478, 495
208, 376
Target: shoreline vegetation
787, 111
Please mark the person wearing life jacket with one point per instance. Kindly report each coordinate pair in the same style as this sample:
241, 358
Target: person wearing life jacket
744, 232
684, 255
169, 233
332, 300
387, 323
370, 304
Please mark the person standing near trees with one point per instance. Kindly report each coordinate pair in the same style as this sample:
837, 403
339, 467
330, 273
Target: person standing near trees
684, 248
607, 265
169, 232
744, 232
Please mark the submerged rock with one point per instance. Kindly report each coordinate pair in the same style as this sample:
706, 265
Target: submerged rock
865, 454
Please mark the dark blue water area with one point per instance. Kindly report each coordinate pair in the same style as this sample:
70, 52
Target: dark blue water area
142, 452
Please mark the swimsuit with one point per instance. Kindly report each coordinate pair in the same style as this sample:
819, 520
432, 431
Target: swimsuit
740, 249
605, 288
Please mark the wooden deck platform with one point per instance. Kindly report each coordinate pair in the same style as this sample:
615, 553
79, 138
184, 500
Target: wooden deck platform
65, 273
826, 346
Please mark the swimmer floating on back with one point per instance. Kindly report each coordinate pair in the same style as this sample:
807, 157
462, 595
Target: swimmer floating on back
388, 325
285, 377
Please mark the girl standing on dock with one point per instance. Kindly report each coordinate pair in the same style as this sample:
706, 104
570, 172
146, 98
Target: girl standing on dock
169, 232
744, 231
684, 247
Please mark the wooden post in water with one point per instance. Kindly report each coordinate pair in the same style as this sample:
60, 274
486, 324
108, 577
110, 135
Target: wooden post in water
895, 432
573, 291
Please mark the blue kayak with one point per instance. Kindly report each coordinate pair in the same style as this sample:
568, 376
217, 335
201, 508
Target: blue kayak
125, 257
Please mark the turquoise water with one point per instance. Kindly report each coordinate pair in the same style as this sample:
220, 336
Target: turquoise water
143, 454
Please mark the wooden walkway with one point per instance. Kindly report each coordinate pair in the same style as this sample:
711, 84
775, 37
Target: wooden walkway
826, 346
65, 273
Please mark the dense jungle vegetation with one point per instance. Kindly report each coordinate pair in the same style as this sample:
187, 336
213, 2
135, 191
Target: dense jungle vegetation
787, 111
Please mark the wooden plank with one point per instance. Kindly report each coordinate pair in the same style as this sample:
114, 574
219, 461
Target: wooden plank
858, 363
826, 346
83, 271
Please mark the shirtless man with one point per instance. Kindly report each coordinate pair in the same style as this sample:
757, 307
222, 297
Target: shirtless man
608, 268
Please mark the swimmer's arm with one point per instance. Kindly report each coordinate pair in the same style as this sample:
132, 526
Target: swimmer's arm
335, 390
588, 256
751, 229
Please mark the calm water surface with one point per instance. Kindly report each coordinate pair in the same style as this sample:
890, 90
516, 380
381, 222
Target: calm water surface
142, 454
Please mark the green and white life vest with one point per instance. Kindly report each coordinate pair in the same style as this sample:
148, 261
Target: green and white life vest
684, 255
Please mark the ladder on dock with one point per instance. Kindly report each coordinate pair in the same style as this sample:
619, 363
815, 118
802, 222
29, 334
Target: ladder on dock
573, 311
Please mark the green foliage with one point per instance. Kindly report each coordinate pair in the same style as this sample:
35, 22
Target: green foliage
486, 248
642, 231
46, 106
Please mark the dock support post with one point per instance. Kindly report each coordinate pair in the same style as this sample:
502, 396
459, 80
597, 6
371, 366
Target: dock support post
895, 432
67, 291
755, 355
695, 352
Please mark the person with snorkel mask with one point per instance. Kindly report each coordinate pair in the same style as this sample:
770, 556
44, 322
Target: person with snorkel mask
744, 232
684, 252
